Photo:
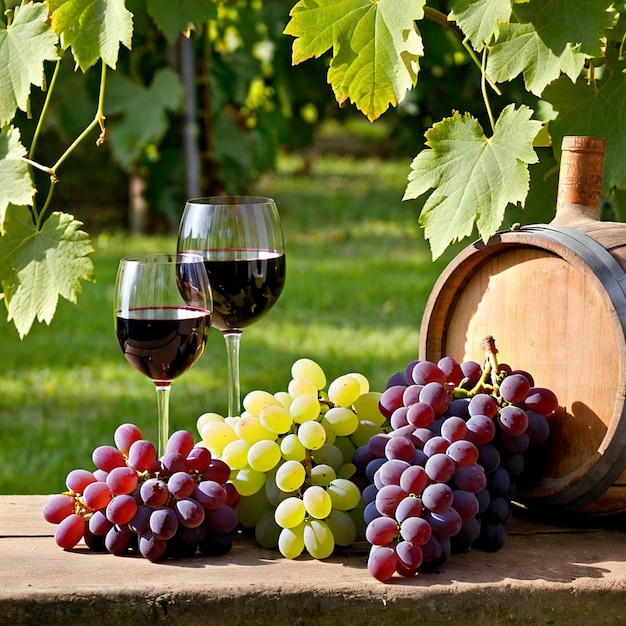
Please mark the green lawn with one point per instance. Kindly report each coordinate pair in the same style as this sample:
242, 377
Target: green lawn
358, 276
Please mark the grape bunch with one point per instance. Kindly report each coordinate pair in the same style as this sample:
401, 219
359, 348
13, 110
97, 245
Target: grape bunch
290, 455
443, 478
134, 501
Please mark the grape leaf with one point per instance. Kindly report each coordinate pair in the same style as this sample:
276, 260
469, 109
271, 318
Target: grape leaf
93, 28
18, 71
144, 111
38, 266
174, 17
376, 47
474, 177
539, 47
596, 110
480, 19
16, 185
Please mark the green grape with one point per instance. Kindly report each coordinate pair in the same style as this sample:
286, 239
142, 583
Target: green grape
251, 429
290, 476
300, 385
329, 455
291, 541
217, 435
365, 431
342, 527
344, 494
357, 516
264, 455
292, 448
367, 407
318, 539
364, 384
266, 531
322, 475
251, 508
330, 435
312, 435
317, 502
307, 368
341, 421
248, 481
235, 454
346, 446
255, 401
305, 408
343, 391
284, 398
347, 470
276, 419
290, 512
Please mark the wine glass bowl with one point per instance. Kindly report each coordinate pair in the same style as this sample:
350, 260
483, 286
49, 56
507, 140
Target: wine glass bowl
163, 311
241, 241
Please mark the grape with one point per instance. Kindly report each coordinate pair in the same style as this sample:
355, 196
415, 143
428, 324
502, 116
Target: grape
290, 476
57, 508
470, 478
489, 457
318, 539
151, 547
290, 512
317, 502
172, 462
163, 523
416, 530
264, 455
382, 562
367, 407
97, 495
452, 369
181, 442
266, 531
190, 512
390, 472
215, 545
541, 400
381, 531
388, 498
251, 430
312, 435
420, 415
465, 503
142, 455
408, 507
437, 497
463, 453
440, 467
437, 395
446, 523
125, 435
472, 372
492, 536
411, 394
538, 428
235, 454
341, 421
210, 494
514, 388
308, 368
342, 527
255, 401
344, 494
330, 455
480, 429
321, 475
426, 372
391, 399
300, 385
107, 457
305, 408
413, 479
515, 443
344, 391
513, 420
221, 521
216, 435
198, 459
482, 404
436, 445
291, 541
141, 521
154, 492
276, 419
78, 479
454, 429
400, 448
122, 480
217, 470
498, 481
121, 509
117, 540
292, 449
99, 525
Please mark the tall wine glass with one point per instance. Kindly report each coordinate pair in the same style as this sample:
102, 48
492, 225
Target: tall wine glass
163, 309
241, 240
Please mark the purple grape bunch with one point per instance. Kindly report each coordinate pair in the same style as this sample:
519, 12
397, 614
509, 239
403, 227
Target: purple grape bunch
443, 478
134, 502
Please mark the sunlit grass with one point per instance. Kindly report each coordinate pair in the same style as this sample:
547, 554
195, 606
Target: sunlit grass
358, 276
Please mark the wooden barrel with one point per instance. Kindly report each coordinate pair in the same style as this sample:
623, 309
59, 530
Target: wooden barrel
554, 298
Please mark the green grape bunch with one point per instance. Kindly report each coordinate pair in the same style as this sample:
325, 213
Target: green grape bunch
290, 455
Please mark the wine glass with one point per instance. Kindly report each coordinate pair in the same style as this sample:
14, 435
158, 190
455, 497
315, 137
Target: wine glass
241, 240
163, 308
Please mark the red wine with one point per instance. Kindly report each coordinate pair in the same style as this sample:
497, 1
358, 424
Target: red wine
245, 289
163, 342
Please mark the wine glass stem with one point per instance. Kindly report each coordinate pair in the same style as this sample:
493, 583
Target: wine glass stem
163, 417
232, 352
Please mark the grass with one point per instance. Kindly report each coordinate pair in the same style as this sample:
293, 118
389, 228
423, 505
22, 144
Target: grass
358, 276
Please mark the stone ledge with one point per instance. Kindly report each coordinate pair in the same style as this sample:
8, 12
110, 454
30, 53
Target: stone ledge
544, 575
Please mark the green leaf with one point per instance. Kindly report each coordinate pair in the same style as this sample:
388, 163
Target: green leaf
18, 69
473, 177
16, 185
93, 28
596, 110
480, 19
174, 17
376, 47
144, 110
539, 47
38, 266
